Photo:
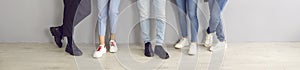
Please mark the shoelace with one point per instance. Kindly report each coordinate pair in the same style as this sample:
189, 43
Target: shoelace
99, 48
182, 41
112, 44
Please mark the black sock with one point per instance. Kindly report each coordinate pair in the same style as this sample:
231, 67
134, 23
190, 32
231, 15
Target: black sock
159, 50
148, 50
70, 40
72, 48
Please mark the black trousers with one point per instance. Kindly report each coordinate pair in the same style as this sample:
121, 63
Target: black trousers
74, 12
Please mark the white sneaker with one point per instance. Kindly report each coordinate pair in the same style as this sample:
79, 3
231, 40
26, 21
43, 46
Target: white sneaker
193, 49
100, 51
208, 40
219, 46
182, 43
113, 46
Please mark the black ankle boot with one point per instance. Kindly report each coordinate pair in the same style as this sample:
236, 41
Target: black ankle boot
148, 50
72, 48
57, 33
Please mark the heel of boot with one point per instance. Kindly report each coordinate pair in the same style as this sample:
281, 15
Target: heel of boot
55, 31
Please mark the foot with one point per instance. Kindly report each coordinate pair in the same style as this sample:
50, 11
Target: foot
208, 40
193, 49
148, 50
113, 46
72, 49
159, 50
182, 43
218, 46
57, 33
99, 51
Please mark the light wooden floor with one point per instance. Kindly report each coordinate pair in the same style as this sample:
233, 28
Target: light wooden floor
238, 56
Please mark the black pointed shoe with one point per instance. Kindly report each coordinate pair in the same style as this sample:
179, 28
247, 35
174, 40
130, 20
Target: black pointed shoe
148, 50
72, 49
57, 34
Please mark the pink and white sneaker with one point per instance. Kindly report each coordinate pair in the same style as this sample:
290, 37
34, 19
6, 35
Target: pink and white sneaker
113, 46
100, 51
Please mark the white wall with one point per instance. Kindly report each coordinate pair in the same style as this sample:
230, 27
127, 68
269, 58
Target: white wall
245, 20
263, 20
27, 20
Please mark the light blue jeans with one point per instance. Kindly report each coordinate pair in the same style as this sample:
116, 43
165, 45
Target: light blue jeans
105, 8
215, 23
188, 7
159, 16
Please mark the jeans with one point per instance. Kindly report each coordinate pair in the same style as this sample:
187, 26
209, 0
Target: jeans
215, 23
188, 7
105, 8
159, 16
